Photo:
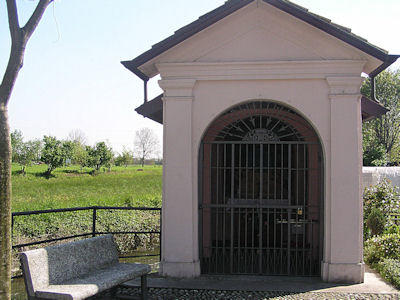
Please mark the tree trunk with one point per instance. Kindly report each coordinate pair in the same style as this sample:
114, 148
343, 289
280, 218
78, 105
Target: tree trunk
5, 205
14, 65
19, 38
49, 170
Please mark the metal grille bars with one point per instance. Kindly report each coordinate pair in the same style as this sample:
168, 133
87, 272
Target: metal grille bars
261, 195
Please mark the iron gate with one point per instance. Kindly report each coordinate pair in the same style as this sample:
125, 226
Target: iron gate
260, 209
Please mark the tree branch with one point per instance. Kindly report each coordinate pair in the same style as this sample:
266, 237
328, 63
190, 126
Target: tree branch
19, 38
13, 22
10, 75
34, 20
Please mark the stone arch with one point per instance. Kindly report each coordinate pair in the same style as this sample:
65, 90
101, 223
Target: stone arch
271, 125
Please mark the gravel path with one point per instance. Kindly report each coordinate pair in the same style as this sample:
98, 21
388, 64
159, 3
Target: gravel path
164, 293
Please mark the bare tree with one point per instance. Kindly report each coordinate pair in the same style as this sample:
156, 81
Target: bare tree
19, 40
77, 136
146, 144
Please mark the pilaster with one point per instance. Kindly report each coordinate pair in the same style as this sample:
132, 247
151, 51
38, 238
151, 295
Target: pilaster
178, 256
343, 260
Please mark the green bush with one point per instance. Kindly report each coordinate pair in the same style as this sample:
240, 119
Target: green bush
374, 155
376, 221
128, 221
392, 229
382, 247
383, 198
390, 270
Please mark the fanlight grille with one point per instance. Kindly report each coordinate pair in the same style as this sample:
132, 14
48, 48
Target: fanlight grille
257, 123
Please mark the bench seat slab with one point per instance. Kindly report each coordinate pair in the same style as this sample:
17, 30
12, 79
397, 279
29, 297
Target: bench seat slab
86, 286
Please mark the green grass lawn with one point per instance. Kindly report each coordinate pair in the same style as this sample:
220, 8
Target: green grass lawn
69, 187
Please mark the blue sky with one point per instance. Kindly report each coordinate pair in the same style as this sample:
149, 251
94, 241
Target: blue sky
72, 77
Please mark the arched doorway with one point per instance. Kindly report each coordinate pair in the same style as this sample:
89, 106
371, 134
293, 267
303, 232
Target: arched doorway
261, 193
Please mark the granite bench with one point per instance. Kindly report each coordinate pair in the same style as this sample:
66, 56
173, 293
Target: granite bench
78, 270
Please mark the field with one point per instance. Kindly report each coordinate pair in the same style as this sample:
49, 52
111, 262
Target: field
73, 187
69, 187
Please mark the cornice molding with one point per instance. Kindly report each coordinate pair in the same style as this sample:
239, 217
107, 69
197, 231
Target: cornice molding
258, 70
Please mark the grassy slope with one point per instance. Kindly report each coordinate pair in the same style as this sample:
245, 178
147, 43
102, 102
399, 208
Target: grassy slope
70, 188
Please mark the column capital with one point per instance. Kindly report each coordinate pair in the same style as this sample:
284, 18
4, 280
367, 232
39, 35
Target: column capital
177, 88
344, 85
176, 98
345, 97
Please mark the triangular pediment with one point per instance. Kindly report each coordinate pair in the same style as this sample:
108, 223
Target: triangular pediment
259, 32
260, 44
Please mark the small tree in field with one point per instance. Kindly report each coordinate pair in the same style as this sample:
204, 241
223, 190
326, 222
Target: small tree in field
80, 156
53, 153
99, 156
24, 153
146, 144
69, 149
29, 153
124, 159
17, 140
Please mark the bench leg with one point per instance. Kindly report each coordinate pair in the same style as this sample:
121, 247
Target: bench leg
143, 280
113, 292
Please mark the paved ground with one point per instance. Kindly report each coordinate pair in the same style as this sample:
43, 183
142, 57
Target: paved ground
260, 287
169, 294
251, 287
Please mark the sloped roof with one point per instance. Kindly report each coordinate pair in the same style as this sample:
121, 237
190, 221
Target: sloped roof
324, 24
371, 109
154, 109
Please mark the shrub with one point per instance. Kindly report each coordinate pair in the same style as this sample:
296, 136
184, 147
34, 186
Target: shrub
390, 270
384, 198
374, 155
392, 229
382, 247
376, 221
128, 221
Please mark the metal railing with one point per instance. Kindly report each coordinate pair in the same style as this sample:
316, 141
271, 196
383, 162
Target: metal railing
94, 222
